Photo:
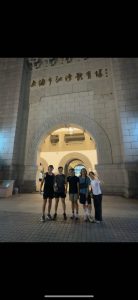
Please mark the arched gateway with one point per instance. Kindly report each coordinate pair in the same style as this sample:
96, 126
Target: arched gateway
104, 151
99, 95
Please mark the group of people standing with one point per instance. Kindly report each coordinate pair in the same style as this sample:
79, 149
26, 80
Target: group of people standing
83, 188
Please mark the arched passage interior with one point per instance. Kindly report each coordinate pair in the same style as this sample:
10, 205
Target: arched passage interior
67, 147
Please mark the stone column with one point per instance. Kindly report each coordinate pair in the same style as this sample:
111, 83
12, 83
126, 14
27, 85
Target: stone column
28, 184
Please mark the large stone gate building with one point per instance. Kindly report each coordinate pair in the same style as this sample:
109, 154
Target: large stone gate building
100, 95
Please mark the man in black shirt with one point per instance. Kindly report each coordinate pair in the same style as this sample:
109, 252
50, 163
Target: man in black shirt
60, 192
48, 192
73, 192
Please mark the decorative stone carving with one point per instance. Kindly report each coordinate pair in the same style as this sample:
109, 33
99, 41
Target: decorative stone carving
76, 77
42, 82
36, 63
52, 61
88, 74
99, 73
69, 60
68, 77
45, 62
79, 76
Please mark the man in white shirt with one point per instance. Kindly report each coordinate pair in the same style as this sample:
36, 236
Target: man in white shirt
97, 196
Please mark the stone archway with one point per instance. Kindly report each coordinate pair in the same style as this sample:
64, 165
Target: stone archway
75, 155
72, 164
104, 150
47, 125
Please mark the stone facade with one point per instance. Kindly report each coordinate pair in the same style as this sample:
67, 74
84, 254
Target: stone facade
38, 96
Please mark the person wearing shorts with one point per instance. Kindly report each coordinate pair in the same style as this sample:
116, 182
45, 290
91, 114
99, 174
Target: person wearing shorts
73, 192
85, 197
60, 192
48, 192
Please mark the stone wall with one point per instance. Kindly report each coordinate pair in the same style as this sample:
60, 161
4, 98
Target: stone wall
125, 79
14, 81
87, 102
99, 95
10, 84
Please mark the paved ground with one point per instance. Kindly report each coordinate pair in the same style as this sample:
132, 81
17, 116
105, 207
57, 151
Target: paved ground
20, 222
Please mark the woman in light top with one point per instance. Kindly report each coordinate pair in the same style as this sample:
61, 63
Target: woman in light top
97, 196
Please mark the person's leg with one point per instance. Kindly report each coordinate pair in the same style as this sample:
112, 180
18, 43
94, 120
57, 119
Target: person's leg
63, 205
95, 206
99, 208
90, 218
72, 206
97, 200
49, 205
44, 206
89, 209
64, 208
101, 218
85, 212
86, 208
83, 202
43, 209
49, 208
76, 206
71, 197
56, 206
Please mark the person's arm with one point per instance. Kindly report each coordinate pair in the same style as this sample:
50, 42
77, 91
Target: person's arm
54, 181
65, 185
78, 186
100, 181
88, 186
90, 189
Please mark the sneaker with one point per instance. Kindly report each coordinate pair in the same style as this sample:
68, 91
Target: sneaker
49, 217
72, 217
96, 221
85, 218
76, 217
42, 219
93, 221
64, 216
90, 218
55, 216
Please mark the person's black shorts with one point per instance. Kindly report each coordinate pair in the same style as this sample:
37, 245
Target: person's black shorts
40, 179
83, 199
48, 195
60, 195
